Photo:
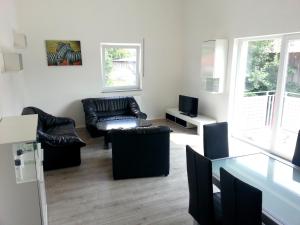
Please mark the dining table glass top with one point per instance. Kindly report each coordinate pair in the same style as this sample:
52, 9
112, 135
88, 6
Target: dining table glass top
279, 182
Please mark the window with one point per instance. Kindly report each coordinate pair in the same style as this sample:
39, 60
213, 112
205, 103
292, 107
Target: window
267, 94
121, 66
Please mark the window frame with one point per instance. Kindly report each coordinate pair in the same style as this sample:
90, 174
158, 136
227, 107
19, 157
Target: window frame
139, 66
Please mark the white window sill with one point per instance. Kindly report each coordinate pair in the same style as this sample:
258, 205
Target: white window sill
121, 90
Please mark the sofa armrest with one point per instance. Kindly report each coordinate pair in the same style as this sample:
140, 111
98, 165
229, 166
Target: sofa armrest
91, 120
135, 110
142, 115
59, 140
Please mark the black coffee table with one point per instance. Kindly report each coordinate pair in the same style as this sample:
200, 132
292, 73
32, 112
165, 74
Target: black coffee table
120, 124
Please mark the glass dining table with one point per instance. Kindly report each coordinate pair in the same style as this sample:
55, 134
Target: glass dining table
279, 182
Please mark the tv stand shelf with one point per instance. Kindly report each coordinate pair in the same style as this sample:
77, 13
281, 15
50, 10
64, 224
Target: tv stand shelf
175, 115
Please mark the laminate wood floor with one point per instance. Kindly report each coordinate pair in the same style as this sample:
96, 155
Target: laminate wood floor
88, 195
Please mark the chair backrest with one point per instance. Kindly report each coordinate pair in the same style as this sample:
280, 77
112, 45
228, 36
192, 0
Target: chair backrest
199, 170
296, 158
215, 140
241, 203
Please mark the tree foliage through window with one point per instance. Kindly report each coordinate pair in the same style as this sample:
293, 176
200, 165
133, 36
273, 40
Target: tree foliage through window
262, 68
110, 55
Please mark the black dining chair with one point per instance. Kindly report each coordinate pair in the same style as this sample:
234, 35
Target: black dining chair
204, 205
215, 140
241, 203
296, 157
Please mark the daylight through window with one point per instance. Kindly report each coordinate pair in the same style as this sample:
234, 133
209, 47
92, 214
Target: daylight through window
121, 66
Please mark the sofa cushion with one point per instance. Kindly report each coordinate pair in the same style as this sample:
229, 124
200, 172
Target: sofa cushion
65, 129
116, 118
112, 113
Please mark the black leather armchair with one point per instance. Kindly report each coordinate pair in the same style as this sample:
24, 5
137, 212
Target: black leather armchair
58, 138
140, 152
109, 108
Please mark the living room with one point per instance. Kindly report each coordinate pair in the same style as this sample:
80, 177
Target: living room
169, 37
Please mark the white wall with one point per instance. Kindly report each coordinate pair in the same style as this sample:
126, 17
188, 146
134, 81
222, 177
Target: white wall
229, 19
173, 31
58, 90
11, 84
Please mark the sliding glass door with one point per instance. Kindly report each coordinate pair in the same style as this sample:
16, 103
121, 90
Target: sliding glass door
267, 96
288, 109
255, 90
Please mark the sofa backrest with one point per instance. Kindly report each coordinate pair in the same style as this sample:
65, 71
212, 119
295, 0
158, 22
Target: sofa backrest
108, 106
141, 139
141, 131
139, 152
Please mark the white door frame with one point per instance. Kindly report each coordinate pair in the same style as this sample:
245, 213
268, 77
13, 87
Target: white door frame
239, 81
281, 85
281, 80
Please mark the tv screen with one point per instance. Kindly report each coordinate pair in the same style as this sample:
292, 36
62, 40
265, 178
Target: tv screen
188, 105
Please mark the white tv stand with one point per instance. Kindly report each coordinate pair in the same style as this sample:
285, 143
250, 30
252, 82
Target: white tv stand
174, 115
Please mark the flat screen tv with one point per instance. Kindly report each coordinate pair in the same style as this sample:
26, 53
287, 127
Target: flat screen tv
188, 105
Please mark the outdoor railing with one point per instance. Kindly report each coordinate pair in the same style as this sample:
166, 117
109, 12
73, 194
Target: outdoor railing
257, 110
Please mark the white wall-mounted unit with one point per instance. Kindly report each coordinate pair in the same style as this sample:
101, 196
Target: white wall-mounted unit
20, 41
213, 65
11, 62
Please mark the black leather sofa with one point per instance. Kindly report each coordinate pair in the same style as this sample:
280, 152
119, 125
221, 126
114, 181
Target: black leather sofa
140, 152
58, 138
109, 108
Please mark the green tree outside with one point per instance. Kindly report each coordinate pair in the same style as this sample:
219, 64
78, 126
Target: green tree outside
262, 69
110, 55
262, 66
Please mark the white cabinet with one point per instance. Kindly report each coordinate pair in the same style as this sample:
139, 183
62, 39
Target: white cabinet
213, 65
22, 188
11, 62
175, 115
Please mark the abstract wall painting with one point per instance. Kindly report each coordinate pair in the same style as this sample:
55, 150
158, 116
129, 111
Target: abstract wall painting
63, 53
